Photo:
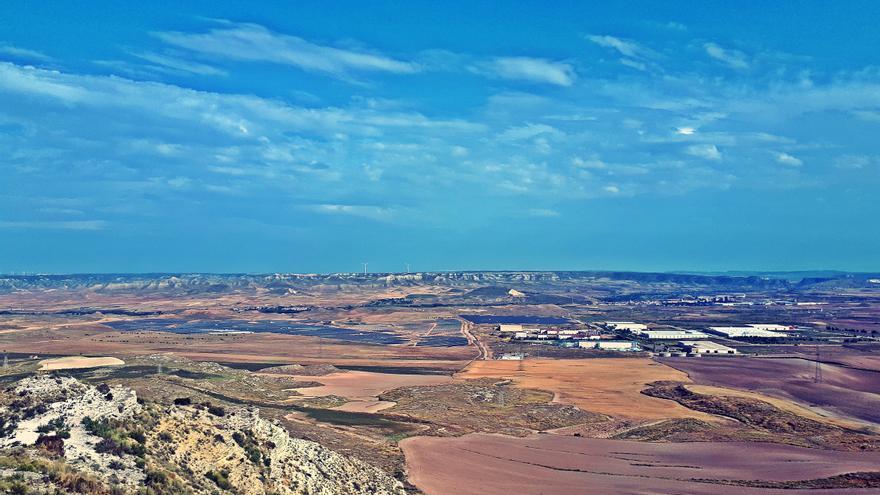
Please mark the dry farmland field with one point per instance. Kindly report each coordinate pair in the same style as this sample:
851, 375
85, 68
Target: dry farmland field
407, 376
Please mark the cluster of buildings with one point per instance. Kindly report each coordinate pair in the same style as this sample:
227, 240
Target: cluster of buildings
760, 330
687, 342
583, 338
642, 330
633, 336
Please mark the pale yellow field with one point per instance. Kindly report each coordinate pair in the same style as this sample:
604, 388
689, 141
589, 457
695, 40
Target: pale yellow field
74, 362
609, 386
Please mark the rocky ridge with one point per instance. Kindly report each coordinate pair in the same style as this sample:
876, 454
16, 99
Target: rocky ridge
87, 439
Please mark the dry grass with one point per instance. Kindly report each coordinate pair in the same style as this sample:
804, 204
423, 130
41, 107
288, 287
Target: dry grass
607, 386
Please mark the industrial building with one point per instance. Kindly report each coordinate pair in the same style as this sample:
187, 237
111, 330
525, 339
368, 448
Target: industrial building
706, 347
743, 332
609, 345
626, 325
509, 328
771, 327
671, 334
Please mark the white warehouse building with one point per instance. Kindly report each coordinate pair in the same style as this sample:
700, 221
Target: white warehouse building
609, 345
672, 334
739, 332
626, 325
771, 327
706, 347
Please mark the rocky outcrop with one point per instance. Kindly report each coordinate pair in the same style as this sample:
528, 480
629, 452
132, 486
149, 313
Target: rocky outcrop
255, 456
107, 437
50, 412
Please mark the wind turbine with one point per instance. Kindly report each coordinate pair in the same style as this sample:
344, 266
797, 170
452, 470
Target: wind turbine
407, 267
365, 267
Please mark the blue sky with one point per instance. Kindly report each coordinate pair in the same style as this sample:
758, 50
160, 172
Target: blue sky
221, 136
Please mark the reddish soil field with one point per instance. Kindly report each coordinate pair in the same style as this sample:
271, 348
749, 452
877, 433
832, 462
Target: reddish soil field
483, 464
849, 392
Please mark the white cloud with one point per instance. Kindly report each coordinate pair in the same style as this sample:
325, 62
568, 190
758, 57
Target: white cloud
255, 43
590, 163
55, 225
180, 65
625, 47
179, 182
543, 212
707, 151
527, 131
634, 64
78, 129
364, 211
459, 151
23, 53
734, 59
236, 115
853, 161
786, 159
530, 69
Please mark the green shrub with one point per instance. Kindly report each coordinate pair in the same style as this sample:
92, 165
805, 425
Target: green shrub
219, 478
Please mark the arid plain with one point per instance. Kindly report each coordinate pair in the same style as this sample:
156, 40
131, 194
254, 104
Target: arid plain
391, 370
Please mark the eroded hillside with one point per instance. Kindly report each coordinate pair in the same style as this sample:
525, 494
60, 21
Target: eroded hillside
59, 434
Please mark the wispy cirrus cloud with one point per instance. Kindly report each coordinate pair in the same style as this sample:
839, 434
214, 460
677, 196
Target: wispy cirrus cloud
55, 225
543, 212
625, 47
23, 53
734, 59
365, 211
633, 54
536, 70
177, 64
255, 43
600, 137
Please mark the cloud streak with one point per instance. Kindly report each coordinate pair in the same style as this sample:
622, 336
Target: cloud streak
536, 70
734, 59
55, 225
23, 53
624, 47
254, 43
